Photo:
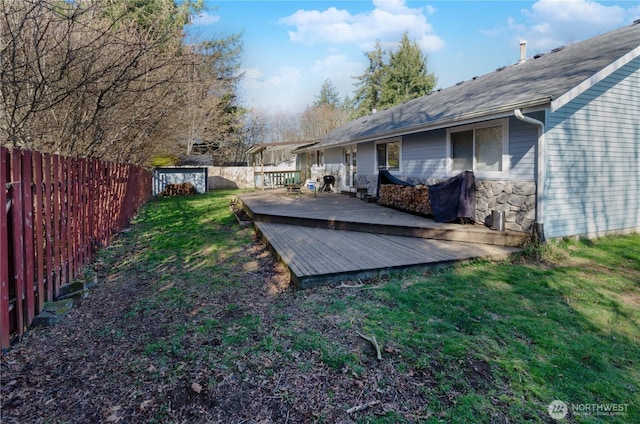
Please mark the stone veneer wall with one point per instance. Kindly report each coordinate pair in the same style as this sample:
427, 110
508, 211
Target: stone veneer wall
516, 198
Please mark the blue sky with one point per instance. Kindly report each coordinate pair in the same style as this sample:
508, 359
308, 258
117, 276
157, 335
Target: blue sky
292, 47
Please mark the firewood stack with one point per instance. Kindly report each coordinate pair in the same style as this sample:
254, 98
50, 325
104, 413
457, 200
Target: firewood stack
178, 190
413, 199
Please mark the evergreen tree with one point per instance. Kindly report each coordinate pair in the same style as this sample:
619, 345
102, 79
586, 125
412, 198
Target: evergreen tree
369, 85
328, 95
159, 18
406, 76
326, 113
347, 107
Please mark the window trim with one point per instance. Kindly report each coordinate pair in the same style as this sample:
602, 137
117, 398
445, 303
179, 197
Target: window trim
505, 148
387, 141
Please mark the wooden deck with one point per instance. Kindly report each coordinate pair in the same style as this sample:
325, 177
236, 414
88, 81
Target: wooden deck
331, 237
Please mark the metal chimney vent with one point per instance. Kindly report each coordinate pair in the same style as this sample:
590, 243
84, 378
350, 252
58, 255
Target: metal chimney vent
523, 51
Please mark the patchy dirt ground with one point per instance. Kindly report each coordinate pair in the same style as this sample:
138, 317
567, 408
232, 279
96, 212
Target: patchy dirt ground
99, 363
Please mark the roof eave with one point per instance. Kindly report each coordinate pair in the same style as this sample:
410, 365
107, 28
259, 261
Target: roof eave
305, 149
255, 149
538, 103
593, 80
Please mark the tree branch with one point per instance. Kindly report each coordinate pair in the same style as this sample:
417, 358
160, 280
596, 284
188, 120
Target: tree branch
375, 344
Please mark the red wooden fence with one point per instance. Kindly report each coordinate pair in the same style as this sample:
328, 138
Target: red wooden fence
58, 212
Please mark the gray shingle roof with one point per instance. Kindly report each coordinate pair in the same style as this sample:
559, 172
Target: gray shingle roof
535, 82
283, 145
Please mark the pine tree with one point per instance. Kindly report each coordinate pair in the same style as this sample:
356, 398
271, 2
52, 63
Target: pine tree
328, 95
406, 75
369, 85
326, 113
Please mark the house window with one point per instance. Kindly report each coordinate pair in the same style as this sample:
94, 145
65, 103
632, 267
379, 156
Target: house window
388, 155
320, 158
481, 149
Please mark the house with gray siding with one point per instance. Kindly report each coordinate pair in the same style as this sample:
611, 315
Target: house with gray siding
553, 140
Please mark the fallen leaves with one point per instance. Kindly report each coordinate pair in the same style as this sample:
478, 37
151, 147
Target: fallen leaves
196, 387
144, 405
93, 367
113, 416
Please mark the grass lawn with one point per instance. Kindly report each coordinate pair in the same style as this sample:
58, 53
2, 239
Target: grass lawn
220, 337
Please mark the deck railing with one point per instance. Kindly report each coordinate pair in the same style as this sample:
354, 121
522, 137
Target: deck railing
274, 179
57, 212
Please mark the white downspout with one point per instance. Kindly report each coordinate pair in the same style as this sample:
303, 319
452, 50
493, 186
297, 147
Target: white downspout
541, 160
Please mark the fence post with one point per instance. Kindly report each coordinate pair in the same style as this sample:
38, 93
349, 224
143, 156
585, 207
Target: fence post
5, 324
27, 208
48, 217
18, 236
68, 234
40, 247
57, 227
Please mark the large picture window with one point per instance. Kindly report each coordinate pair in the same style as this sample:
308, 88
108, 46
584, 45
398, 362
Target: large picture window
481, 149
388, 155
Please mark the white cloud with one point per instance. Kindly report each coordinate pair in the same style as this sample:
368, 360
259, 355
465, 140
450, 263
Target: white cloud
314, 26
390, 5
252, 73
287, 75
430, 43
385, 22
340, 69
340, 30
552, 23
291, 89
267, 90
580, 11
329, 63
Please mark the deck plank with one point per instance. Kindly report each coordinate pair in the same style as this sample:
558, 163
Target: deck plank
316, 254
342, 212
328, 238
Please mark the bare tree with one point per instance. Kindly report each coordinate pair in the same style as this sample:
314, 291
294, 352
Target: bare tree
319, 120
281, 127
211, 118
100, 79
254, 127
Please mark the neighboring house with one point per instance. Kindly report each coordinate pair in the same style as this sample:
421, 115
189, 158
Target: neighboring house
277, 164
554, 140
